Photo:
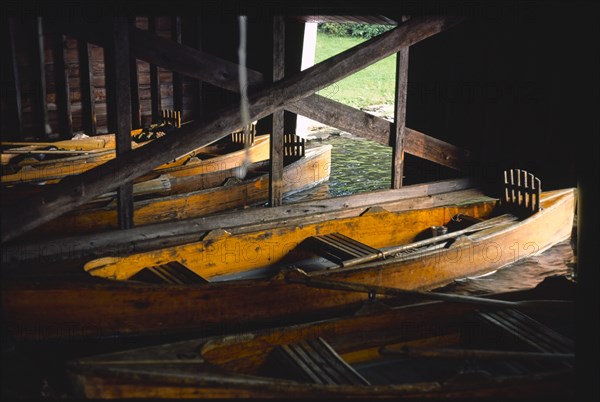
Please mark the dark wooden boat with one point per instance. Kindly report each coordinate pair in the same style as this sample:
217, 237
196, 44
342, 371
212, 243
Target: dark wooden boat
489, 347
169, 199
231, 279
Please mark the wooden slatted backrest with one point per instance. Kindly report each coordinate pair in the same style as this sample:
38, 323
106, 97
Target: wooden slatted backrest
314, 361
294, 147
522, 192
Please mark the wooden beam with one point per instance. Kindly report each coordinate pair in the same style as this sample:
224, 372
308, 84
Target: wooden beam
189, 61
374, 128
86, 77
197, 102
148, 237
40, 106
136, 108
276, 144
12, 115
224, 74
118, 72
76, 190
399, 126
154, 74
61, 87
177, 79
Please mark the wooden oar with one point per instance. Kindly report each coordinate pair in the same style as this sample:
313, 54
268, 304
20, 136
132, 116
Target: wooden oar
534, 306
83, 144
52, 151
487, 224
447, 353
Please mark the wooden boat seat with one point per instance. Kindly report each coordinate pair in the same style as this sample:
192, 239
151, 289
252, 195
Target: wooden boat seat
313, 361
173, 272
510, 326
341, 249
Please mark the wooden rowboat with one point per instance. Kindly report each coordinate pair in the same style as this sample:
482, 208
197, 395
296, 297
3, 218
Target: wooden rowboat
199, 161
304, 173
231, 279
80, 150
428, 349
204, 168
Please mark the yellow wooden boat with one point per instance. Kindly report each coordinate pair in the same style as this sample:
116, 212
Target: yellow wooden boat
251, 277
80, 148
210, 165
52, 171
190, 196
492, 347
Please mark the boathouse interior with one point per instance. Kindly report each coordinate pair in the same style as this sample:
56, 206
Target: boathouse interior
479, 91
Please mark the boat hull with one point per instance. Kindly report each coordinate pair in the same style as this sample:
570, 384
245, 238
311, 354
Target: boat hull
186, 369
302, 174
50, 309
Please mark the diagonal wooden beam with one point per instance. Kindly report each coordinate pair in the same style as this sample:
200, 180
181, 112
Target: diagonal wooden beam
224, 74
76, 190
374, 128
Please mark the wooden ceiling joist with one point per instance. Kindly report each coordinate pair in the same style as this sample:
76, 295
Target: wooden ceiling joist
76, 190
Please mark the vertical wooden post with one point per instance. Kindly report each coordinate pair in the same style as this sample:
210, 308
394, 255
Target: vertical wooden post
12, 117
177, 78
198, 105
118, 71
154, 80
86, 79
61, 80
40, 107
399, 125
276, 171
136, 109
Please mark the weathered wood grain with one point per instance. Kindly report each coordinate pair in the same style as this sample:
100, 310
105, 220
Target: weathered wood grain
86, 76
399, 126
276, 170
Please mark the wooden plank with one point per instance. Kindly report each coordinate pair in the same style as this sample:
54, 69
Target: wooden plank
177, 79
149, 237
12, 116
398, 132
61, 85
224, 75
118, 72
276, 170
77, 190
154, 74
197, 102
377, 129
86, 76
40, 106
136, 108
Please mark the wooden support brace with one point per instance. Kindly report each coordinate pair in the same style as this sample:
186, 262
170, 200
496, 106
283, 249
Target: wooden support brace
399, 126
118, 77
224, 74
276, 144
86, 76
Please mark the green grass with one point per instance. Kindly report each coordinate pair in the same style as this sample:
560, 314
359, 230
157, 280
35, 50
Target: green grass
373, 85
